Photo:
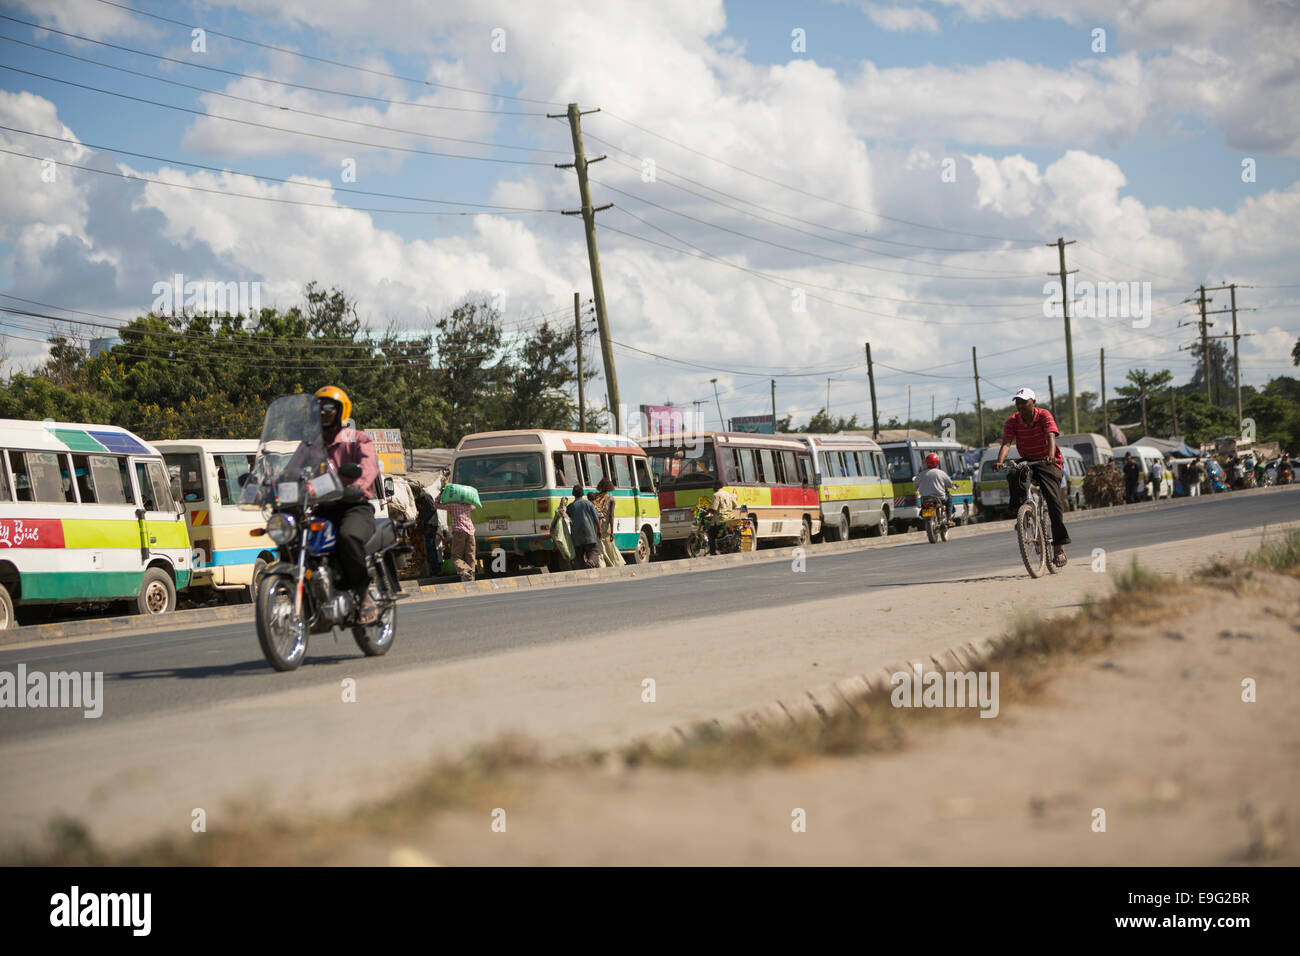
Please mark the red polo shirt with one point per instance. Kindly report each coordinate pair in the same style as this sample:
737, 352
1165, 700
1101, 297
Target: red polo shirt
1030, 438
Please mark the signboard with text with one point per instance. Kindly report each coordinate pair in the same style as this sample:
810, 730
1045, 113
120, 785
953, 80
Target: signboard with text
753, 423
664, 420
388, 449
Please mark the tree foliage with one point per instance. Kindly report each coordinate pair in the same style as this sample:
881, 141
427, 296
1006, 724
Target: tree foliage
212, 376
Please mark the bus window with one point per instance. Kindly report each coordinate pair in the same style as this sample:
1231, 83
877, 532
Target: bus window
850, 464
567, 471
4, 479
791, 474
108, 474
828, 467
867, 464
805, 470
744, 460
155, 489
778, 465
622, 471
643, 481
900, 463
879, 459
766, 470
42, 476
595, 469
229, 470
191, 473
85, 479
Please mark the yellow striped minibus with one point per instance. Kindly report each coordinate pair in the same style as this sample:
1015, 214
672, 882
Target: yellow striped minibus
521, 477
771, 476
87, 514
852, 485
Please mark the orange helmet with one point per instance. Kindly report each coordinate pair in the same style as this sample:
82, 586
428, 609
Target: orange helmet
335, 394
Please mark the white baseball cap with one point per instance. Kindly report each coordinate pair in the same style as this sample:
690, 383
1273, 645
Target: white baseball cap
1026, 393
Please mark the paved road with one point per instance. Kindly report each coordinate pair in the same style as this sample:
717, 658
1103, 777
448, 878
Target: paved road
161, 672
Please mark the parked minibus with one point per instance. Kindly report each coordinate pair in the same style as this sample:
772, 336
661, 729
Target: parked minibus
1094, 448
226, 556
852, 485
521, 477
906, 458
87, 514
771, 476
1145, 455
992, 497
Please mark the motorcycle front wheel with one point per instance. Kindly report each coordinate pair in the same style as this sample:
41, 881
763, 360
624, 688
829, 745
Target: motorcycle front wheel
697, 545
281, 632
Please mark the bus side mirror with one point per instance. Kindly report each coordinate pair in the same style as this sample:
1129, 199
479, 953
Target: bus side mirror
388, 487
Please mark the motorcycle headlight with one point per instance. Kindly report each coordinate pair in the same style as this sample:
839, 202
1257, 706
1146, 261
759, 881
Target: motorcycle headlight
280, 528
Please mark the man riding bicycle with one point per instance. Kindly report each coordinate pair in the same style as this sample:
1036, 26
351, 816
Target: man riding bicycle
1033, 431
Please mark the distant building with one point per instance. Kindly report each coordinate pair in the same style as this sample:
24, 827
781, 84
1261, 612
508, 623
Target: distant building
98, 346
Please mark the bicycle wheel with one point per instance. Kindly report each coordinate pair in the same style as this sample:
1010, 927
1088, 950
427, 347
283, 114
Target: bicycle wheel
1030, 535
1049, 557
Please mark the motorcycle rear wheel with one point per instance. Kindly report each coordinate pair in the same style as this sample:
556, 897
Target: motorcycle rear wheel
1030, 535
281, 632
930, 533
376, 639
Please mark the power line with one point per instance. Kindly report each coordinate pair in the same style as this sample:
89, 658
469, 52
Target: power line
277, 129
273, 179
267, 79
117, 174
286, 109
321, 59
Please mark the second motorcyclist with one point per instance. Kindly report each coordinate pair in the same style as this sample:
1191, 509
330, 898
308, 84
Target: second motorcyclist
934, 482
723, 505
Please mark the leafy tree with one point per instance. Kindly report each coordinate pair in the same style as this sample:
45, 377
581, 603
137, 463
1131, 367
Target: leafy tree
1137, 398
823, 424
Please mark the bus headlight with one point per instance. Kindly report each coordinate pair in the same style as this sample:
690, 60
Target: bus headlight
280, 528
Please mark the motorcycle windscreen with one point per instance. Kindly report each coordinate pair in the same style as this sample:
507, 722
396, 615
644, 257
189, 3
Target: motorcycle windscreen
291, 446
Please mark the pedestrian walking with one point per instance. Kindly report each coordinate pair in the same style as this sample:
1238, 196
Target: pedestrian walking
463, 552
583, 521
604, 504
1132, 471
1155, 475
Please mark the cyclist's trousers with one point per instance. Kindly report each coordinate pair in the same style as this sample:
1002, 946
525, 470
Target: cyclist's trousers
1048, 477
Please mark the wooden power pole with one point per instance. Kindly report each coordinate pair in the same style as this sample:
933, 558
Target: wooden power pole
577, 333
979, 406
1105, 409
875, 414
588, 214
1069, 345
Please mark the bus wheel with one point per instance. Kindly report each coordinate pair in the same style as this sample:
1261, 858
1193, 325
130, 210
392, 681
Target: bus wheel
837, 528
249, 595
7, 619
642, 553
157, 594
881, 528
805, 533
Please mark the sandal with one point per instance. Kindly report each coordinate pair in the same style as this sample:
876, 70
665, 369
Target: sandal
1061, 560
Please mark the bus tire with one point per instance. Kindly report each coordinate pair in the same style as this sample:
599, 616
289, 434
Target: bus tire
805, 533
881, 528
643, 549
836, 528
259, 568
157, 593
7, 619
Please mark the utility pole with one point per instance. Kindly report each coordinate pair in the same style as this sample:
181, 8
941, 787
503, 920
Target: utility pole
932, 406
1205, 352
828, 399
773, 406
1206, 337
1069, 345
722, 422
1105, 409
1143, 395
1173, 409
1051, 397
577, 334
698, 422
908, 424
979, 407
579, 164
871, 377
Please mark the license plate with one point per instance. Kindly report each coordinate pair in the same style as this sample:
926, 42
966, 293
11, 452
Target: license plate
678, 514
498, 524
927, 513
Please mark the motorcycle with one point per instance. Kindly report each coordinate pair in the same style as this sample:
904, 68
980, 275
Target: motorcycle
729, 535
304, 593
934, 511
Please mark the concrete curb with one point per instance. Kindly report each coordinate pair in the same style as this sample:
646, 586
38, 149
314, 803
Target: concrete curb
121, 626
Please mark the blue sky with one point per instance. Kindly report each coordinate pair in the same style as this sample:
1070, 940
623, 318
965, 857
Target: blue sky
1135, 152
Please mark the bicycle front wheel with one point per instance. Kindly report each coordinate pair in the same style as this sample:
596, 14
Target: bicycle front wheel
1030, 535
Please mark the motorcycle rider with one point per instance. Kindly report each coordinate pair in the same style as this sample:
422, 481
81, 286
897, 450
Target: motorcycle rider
934, 482
723, 505
353, 516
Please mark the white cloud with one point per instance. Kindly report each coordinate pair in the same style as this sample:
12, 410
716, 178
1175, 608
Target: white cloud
901, 18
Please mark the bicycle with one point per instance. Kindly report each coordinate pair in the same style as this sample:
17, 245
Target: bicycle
1033, 525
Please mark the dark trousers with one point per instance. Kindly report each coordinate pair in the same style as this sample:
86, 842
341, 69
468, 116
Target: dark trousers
1048, 477
355, 525
1130, 492
588, 554
712, 532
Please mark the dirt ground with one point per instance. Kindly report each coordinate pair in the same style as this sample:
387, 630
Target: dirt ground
1154, 732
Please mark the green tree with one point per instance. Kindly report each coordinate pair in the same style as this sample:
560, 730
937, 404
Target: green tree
1138, 400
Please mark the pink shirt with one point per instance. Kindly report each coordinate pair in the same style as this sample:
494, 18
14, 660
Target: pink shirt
459, 515
350, 445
